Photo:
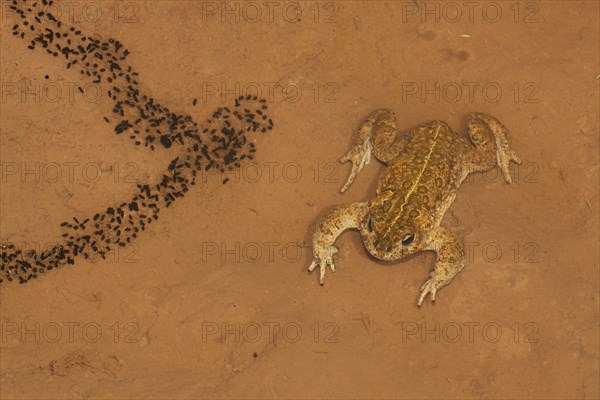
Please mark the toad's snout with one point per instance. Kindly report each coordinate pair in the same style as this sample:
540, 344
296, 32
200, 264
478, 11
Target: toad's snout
382, 249
383, 246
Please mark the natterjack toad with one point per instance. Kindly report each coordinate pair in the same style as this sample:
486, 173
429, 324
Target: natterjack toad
425, 168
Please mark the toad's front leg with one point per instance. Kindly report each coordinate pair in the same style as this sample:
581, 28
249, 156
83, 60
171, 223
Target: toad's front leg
450, 261
337, 220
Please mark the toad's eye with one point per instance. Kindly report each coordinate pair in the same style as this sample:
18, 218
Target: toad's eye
370, 225
408, 239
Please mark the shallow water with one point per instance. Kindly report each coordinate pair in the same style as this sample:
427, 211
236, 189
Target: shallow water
213, 299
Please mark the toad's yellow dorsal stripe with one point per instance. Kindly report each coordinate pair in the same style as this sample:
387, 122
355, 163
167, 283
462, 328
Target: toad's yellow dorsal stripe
417, 180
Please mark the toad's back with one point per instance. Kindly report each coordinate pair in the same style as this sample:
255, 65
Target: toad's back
424, 175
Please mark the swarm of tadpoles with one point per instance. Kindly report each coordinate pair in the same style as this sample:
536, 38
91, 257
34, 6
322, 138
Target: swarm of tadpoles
220, 144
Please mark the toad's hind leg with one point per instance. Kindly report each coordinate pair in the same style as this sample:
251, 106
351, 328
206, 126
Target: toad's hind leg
492, 146
377, 136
